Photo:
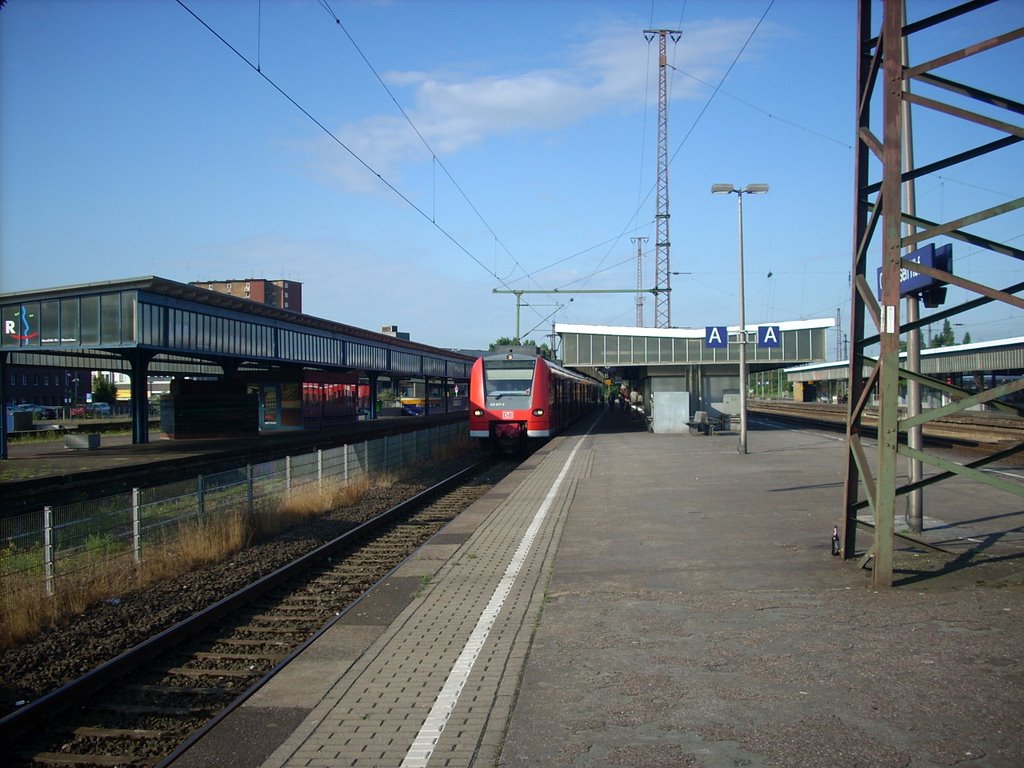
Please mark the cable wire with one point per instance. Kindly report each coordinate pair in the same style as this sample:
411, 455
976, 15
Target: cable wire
451, 238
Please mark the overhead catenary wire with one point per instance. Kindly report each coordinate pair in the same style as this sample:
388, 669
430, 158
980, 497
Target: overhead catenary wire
436, 159
402, 196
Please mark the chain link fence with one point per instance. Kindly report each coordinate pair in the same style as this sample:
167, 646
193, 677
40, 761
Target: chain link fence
71, 542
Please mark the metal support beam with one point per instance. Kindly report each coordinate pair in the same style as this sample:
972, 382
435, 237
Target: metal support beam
882, 63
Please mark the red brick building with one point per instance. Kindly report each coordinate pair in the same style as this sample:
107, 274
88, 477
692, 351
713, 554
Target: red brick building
286, 294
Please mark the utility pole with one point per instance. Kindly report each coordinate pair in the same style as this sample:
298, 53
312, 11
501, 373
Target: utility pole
662, 269
839, 334
639, 279
915, 435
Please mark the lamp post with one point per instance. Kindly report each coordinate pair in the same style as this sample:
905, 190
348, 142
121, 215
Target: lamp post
750, 189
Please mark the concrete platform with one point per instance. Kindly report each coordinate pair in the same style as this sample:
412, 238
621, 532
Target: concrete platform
630, 599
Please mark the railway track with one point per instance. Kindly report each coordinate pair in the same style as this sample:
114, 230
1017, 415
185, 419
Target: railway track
142, 706
979, 428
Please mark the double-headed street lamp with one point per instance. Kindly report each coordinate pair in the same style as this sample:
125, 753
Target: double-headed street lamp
750, 189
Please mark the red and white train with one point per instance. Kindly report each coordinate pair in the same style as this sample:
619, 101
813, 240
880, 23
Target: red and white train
518, 397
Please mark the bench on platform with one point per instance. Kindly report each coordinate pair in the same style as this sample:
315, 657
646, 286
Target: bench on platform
707, 425
701, 424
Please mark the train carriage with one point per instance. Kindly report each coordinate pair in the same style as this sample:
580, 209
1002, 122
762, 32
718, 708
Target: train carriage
518, 397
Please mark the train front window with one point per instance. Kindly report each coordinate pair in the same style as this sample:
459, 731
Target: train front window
504, 379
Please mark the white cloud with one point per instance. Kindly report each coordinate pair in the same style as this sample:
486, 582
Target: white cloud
607, 73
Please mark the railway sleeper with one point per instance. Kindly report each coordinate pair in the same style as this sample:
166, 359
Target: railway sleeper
256, 629
94, 732
271, 659
271, 618
212, 672
155, 710
175, 690
61, 758
248, 642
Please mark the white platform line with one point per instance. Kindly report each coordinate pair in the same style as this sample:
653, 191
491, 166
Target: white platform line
423, 745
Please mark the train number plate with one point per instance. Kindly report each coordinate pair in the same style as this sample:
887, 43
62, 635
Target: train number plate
507, 414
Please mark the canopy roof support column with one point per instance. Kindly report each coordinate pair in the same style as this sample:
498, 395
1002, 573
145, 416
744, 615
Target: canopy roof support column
139, 360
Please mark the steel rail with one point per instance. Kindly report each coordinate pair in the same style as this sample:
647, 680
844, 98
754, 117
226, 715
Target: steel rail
45, 708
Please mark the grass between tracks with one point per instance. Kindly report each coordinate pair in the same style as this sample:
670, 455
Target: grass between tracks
105, 568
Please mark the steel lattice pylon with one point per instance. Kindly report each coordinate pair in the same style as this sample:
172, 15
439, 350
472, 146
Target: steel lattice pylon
662, 268
878, 221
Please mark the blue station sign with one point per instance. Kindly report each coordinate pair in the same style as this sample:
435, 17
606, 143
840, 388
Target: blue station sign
717, 336
768, 336
914, 283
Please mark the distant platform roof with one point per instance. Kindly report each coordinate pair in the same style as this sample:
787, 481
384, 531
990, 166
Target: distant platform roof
1001, 355
785, 343
191, 330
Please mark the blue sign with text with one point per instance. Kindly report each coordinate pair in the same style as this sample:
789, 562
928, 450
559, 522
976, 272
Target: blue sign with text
716, 337
769, 336
912, 282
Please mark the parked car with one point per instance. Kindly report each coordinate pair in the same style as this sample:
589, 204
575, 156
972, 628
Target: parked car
90, 410
100, 409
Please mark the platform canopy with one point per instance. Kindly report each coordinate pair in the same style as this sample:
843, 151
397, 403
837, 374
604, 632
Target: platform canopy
769, 345
999, 355
185, 329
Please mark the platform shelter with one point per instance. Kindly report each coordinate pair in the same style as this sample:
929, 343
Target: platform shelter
972, 367
697, 369
151, 326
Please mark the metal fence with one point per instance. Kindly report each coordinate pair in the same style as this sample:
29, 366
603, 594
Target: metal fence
71, 542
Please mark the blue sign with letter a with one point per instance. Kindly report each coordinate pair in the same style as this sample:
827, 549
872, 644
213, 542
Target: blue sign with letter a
768, 336
716, 337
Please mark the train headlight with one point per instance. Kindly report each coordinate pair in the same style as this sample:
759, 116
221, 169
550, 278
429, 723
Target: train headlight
538, 411
477, 412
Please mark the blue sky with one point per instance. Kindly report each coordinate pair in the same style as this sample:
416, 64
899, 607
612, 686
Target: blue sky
513, 147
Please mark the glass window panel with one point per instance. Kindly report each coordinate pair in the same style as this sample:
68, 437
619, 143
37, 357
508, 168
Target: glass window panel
110, 318
69, 331
639, 349
91, 320
692, 349
128, 331
586, 353
570, 349
145, 325
25, 325
665, 351
49, 322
